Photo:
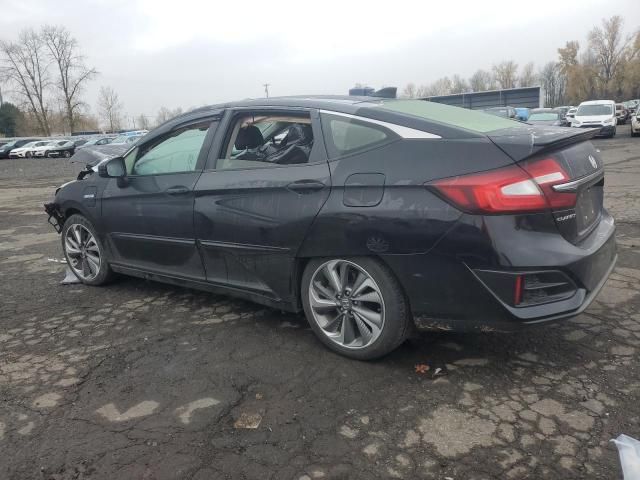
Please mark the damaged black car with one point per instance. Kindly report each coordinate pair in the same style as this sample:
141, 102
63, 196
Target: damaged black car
373, 216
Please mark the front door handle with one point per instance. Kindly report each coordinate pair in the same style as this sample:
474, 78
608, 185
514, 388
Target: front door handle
177, 190
306, 186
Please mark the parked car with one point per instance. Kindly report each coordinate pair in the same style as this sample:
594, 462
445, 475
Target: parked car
41, 151
26, 151
6, 149
599, 114
126, 139
61, 148
562, 110
96, 141
506, 112
522, 114
635, 125
632, 106
547, 116
571, 113
622, 114
369, 216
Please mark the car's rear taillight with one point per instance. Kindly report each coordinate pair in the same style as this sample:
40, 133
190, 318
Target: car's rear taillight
513, 189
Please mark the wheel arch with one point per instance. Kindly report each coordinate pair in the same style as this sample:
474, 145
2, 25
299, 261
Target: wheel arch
302, 262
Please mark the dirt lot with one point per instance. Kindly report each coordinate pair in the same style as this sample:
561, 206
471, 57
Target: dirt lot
146, 381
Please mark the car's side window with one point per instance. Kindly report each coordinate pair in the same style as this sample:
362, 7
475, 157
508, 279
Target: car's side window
345, 135
262, 140
174, 153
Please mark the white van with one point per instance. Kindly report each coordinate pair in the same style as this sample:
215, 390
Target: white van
597, 114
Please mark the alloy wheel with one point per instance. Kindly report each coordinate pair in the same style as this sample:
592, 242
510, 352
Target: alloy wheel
83, 252
347, 304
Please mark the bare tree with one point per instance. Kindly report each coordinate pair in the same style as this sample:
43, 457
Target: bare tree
480, 81
442, 86
568, 56
506, 74
142, 122
609, 46
165, 114
553, 83
459, 84
26, 66
73, 73
528, 77
110, 107
409, 91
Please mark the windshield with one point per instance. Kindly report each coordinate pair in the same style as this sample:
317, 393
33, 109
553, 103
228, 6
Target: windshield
543, 116
120, 139
473, 120
588, 110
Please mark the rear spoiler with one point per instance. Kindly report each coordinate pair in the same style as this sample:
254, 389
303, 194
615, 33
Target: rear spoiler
520, 143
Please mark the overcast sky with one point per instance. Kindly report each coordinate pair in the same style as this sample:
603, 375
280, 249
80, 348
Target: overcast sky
189, 53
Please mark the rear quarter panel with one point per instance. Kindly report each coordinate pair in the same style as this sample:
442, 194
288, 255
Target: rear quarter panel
408, 219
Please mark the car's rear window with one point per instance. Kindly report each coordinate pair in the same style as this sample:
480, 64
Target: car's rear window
455, 116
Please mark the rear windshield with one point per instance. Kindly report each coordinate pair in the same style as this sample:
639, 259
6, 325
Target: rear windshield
584, 110
458, 117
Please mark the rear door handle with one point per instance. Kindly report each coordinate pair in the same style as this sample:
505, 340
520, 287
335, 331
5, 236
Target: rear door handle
306, 186
177, 190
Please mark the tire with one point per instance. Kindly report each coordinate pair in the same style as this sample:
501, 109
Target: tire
375, 326
67, 154
83, 263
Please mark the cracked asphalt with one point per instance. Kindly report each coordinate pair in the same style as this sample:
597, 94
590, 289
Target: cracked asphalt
140, 380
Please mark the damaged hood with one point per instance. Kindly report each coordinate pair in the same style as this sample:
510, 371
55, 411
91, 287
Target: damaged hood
92, 156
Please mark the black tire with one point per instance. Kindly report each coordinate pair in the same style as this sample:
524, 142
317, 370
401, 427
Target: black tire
397, 318
105, 274
67, 154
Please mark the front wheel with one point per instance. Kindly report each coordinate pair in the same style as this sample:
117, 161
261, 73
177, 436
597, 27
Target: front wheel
84, 252
355, 306
67, 154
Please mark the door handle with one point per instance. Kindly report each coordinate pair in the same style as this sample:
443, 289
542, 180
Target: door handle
306, 186
177, 190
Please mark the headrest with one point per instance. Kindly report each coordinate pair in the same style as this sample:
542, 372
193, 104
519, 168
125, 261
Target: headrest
299, 133
249, 137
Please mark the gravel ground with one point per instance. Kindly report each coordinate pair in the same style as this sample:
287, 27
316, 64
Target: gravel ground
146, 381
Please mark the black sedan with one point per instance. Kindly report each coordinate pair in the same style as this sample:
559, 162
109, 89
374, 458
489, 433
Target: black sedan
370, 215
63, 148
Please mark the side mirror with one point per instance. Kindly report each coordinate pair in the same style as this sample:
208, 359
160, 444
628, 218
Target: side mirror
114, 168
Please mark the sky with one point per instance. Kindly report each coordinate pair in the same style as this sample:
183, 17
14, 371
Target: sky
188, 53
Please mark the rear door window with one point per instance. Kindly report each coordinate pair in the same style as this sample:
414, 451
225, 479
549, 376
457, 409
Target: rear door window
345, 135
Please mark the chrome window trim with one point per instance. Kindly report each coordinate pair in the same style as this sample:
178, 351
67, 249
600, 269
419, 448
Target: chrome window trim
404, 132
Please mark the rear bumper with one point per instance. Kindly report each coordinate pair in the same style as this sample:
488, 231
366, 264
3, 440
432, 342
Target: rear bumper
446, 294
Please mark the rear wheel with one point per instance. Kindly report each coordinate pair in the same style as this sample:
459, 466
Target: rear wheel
355, 306
84, 252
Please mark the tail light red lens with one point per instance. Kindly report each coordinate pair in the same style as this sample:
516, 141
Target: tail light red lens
512, 189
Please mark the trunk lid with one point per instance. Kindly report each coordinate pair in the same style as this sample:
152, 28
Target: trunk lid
583, 164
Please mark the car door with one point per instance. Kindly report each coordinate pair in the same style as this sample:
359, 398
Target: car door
252, 214
148, 217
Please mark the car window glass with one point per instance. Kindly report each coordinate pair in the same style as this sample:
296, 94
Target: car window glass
176, 153
345, 135
258, 141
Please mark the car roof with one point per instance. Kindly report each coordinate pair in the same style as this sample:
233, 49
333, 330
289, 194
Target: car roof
598, 102
350, 105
